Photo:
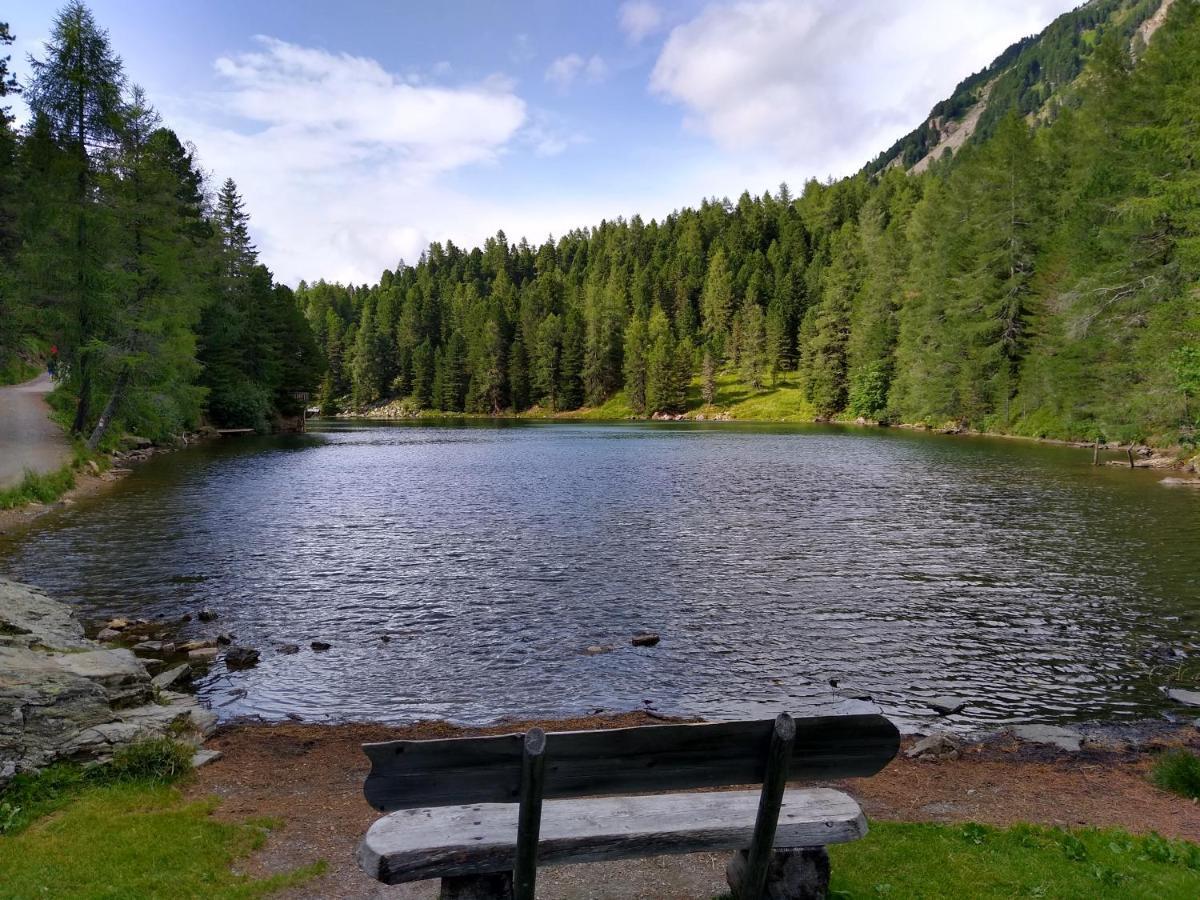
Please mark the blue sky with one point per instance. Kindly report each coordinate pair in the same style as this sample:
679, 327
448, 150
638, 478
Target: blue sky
360, 131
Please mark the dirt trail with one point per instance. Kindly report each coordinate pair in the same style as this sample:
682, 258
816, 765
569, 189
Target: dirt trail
310, 778
28, 438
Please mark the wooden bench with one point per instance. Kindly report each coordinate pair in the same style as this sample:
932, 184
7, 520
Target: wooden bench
482, 813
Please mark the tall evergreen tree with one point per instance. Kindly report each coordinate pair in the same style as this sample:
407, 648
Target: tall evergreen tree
76, 91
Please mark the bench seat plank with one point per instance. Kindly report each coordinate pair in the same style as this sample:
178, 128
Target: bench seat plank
415, 844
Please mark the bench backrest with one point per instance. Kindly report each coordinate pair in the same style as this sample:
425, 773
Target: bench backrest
406, 774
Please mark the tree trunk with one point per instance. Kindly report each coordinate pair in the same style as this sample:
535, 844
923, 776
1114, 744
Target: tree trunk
110, 410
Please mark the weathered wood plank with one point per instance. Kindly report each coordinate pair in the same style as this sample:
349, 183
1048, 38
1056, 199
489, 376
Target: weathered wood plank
529, 815
770, 802
415, 844
624, 760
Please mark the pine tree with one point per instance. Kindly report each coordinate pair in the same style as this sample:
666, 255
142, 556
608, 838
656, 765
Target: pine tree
518, 374
754, 363
716, 302
636, 364
708, 376
76, 93
233, 225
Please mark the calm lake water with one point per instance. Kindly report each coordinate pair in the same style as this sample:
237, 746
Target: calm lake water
772, 560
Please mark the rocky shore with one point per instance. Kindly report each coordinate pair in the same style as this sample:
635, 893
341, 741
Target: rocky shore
66, 697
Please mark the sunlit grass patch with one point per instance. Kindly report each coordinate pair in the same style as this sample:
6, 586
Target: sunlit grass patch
123, 830
980, 861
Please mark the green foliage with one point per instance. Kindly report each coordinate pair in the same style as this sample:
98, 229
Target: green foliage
1178, 771
110, 252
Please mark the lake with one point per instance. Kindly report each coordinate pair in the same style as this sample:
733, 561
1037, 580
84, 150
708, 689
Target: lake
785, 567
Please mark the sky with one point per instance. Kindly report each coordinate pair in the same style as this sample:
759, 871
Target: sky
360, 131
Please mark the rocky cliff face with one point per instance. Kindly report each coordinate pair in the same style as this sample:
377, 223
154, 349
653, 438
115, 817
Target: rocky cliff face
64, 697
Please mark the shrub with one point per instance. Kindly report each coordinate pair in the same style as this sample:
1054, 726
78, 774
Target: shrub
162, 761
1178, 771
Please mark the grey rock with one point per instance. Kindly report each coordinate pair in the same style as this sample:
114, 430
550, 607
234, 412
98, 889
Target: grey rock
1187, 698
938, 745
1050, 735
597, 649
108, 634
63, 697
203, 757
800, 874
288, 649
647, 639
27, 611
202, 655
207, 615
241, 657
189, 646
947, 706
154, 648
320, 645
170, 677
224, 639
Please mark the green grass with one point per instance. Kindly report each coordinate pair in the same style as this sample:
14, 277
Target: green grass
783, 402
123, 830
937, 861
39, 488
1178, 771
131, 840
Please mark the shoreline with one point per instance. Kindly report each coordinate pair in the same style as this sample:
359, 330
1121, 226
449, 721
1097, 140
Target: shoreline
1148, 456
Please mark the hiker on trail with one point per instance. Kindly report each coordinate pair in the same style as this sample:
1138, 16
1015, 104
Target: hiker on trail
52, 365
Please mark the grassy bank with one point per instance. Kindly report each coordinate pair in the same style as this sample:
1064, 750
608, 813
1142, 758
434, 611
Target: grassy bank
939, 861
38, 488
124, 830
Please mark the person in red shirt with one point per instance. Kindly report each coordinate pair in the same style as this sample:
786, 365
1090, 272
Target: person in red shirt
53, 365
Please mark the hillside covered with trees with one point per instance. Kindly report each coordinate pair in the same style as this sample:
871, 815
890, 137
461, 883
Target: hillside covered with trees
116, 263
1042, 282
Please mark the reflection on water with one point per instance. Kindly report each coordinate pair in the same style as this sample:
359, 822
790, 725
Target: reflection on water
773, 560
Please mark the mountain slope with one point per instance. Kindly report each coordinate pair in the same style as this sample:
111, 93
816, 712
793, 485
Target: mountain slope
1036, 76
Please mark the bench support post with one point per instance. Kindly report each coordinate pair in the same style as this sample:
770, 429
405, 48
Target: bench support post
779, 757
529, 818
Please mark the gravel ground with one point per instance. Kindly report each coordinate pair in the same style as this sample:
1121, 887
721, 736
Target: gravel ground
310, 777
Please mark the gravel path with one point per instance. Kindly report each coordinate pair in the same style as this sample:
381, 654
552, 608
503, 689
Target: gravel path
28, 439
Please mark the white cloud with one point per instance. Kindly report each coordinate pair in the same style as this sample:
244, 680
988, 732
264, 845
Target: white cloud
639, 19
829, 83
565, 70
339, 159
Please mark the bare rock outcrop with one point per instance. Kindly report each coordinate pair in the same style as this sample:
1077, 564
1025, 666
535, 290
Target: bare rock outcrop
64, 697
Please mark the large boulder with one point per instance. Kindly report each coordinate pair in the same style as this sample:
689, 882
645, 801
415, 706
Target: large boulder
63, 696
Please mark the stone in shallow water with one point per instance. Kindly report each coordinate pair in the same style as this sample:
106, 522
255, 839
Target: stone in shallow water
1063, 738
1188, 698
947, 706
241, 657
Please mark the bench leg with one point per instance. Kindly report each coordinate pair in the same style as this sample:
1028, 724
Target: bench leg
801, 874
489, 886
